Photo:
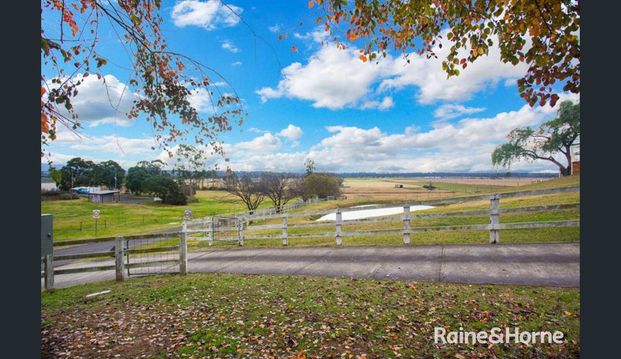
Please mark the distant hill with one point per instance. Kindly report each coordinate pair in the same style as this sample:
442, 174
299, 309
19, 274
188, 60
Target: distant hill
45, 169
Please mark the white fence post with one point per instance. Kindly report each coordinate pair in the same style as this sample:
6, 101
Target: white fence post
406, 224
494, 216
48, 268
212, 232
285, 234
119, 258
240, 231
339, 233
183, 249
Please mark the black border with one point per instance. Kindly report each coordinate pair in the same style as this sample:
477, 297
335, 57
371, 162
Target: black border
20, 144
600, 241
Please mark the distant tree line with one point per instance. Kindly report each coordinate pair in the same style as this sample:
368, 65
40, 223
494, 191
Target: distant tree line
281, 188
176, 186
78, 172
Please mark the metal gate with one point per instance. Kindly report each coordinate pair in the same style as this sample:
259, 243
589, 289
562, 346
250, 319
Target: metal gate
157, 255
227, 228
218, 228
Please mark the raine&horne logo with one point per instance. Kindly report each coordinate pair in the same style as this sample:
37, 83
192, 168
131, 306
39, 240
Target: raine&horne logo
497, 336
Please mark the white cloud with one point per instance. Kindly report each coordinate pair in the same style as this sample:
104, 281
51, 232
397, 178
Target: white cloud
428, 76
386, 103
236, 63
266, 143
112, 144
274, 28
318, 35
101, 101
465, 145
332, 78
208, 14
450, 111
230, 46
335, 79
201, 100
292, 133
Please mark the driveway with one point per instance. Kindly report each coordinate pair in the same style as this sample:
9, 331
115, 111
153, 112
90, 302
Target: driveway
549, 264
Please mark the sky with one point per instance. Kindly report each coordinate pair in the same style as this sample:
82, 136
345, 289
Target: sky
319, 102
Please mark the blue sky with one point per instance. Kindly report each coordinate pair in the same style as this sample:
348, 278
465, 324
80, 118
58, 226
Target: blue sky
319, 102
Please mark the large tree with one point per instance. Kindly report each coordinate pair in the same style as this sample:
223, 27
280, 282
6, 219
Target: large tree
109, 174
546, 141
138, 174
165, 188
71, 51
249, 190
189, 166
321, 185
281, 188
544, 34
76, 172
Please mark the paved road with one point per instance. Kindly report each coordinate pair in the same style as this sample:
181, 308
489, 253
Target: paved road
100, 247
551, 264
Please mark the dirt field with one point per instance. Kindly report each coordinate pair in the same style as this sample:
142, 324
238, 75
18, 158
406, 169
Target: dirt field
503, 181
384, 190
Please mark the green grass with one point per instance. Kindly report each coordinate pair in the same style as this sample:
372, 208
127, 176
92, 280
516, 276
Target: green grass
126, 218
220, 315
537, 235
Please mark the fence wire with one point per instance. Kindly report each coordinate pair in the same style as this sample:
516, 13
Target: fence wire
152, 256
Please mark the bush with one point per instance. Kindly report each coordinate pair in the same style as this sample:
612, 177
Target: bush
429, 186
165, 188
57, 195
321, 185
193, 200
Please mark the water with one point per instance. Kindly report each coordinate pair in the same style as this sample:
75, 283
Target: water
367, 213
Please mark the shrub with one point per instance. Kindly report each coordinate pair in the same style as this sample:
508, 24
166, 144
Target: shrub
56, 195
429, 186
320, 185
165, 188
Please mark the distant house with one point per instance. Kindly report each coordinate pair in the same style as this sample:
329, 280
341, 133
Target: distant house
398, 185
575, 159
104, 196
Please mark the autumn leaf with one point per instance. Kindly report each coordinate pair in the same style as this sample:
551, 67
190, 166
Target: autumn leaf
294, 48
45, 127
311, 4
352, 35
363, 58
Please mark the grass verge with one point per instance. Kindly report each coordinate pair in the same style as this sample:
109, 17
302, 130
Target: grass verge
221, 315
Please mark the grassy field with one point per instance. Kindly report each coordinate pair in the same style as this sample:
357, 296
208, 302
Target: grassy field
221, 315
446, 237
127, 218
72, 218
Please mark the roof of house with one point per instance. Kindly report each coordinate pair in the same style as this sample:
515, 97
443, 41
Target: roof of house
104, 192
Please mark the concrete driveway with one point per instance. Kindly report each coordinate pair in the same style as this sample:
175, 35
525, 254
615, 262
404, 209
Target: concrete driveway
549, 264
